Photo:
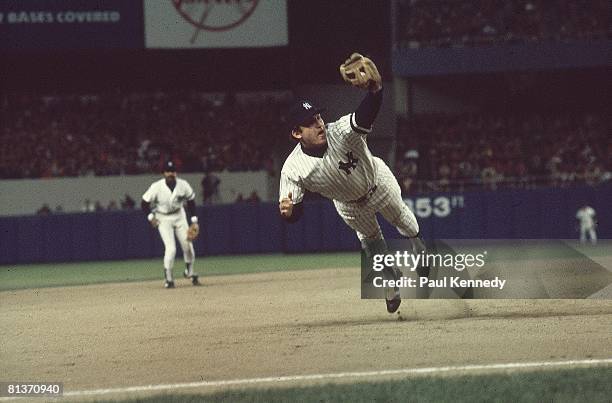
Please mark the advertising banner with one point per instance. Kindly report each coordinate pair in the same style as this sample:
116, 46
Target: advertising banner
70, 24
215, 24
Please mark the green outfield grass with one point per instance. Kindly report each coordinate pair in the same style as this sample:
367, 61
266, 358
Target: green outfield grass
64, 274
570, 385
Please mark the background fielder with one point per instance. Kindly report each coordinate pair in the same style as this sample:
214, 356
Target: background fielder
588, 224
335, 161
163, 203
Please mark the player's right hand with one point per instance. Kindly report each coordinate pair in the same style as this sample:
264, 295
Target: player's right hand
154, 223
286, 206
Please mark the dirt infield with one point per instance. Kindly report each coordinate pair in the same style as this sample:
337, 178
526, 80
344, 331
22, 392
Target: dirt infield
274, 324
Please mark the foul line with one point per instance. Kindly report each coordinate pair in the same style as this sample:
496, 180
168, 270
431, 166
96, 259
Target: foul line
340, 375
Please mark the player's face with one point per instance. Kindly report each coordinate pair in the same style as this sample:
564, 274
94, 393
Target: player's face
313, 134
170, 176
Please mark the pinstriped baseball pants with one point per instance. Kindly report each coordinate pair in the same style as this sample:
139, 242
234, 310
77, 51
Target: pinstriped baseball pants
169, 226
388, 201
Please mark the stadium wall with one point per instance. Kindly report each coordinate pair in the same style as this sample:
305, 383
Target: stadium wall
257, 228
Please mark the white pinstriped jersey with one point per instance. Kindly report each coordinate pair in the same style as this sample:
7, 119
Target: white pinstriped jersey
347, 170
586, 216
165, 201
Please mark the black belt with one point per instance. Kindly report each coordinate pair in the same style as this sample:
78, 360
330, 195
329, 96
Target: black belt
365, 196
170, 213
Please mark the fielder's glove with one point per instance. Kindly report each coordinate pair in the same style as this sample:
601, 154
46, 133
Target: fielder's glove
361, 72
193, 231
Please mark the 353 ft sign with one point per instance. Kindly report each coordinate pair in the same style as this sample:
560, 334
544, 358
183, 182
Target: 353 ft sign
441, 206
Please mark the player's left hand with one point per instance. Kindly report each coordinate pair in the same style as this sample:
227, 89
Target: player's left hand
361, 72
193, 232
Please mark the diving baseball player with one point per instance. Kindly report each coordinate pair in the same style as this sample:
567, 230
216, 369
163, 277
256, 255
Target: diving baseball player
334, 160
586, 216
163, 204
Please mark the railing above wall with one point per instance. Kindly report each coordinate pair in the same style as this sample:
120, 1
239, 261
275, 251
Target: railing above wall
26, 196
529, 182
409, 62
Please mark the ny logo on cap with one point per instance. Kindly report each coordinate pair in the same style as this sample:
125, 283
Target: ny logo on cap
306, 105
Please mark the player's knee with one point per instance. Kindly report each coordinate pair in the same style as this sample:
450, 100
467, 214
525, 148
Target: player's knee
171, 252
407, 224
413, 229
189, 253
366, 238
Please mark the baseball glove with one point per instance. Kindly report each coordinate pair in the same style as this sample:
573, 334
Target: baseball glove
193, 231
361, 72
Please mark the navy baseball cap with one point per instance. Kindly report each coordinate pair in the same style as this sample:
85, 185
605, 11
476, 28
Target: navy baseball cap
169, 166
302, 112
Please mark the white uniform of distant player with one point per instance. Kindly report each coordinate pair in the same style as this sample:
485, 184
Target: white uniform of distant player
358, 183
167, 208
586, 216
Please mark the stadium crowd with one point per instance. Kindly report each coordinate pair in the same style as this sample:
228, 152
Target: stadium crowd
441, 152
115, 134
451, 23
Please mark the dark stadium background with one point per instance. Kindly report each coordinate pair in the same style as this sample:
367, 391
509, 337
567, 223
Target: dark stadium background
320, 34
496, 121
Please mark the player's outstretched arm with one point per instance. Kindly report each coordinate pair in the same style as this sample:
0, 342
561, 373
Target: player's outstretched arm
368, 109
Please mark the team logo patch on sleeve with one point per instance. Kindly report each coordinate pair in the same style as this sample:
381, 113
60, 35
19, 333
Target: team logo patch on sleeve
350, 164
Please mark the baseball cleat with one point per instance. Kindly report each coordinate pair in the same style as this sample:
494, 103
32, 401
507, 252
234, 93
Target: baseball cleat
393, 305
169, 284
195, 279
393, 299
193, 276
